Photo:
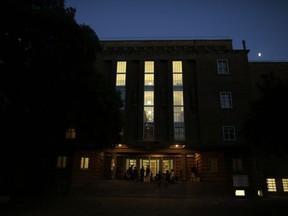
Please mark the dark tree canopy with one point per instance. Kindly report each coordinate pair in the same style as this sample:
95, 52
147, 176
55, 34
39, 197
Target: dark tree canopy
48, 79
266, 127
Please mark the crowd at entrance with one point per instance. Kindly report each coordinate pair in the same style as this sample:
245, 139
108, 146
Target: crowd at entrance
145, 175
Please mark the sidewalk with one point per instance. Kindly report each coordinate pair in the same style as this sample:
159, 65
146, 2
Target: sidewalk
127, 198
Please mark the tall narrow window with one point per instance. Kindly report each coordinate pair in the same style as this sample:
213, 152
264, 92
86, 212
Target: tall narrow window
84, 163
229, 133
148, 109
222, 67
121, 73
61, 161
226, 100
121, 80
121, 85
70, 133
178, 101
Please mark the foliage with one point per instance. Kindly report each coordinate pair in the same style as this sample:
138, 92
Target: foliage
266, 126
48, 80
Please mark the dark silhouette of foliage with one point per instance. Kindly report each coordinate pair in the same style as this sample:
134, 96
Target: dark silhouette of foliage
49, 82
266, 126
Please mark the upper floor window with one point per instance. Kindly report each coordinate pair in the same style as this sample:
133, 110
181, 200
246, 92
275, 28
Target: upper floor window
229, 133
149, 67
61, 161
222, 67
177, 66
179, 132
149, 73
70, 133
121, 73
226, 100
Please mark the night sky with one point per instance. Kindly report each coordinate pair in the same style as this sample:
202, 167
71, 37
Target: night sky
263, 24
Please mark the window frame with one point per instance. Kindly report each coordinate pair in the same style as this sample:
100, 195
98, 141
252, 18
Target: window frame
226, 101
226, 132
223, 67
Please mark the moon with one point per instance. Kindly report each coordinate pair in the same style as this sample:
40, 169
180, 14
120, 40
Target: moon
259, 54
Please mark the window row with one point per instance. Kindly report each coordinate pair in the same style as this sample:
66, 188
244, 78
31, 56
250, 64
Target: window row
62, 162
222, 69
229, 133
274, 185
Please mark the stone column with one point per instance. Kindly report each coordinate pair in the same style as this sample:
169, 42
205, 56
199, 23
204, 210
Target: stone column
113, 166
184, 166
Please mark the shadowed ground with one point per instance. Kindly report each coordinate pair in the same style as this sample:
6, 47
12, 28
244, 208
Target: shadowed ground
130, 198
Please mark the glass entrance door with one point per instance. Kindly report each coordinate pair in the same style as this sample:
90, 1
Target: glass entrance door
153, 164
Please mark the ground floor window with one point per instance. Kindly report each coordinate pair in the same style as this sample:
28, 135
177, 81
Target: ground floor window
84, 163
285, 184
61, 161
271, 185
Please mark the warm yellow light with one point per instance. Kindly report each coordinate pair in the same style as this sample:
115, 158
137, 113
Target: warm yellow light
260, 193
177, 146
119, 145
239, 192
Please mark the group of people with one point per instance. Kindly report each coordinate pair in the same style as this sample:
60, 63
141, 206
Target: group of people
146, 175
132, 173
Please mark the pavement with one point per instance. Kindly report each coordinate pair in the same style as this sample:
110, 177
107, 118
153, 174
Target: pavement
123, 197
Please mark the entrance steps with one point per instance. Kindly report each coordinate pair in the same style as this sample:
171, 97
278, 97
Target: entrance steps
128, 188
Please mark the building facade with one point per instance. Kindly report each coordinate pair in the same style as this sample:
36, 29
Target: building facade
184, 103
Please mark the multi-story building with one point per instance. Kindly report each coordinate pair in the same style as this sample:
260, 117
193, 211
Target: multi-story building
184, 104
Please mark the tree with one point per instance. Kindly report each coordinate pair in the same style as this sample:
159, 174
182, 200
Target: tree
266, 128
49, 82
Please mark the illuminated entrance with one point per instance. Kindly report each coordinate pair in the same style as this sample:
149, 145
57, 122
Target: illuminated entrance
155, 164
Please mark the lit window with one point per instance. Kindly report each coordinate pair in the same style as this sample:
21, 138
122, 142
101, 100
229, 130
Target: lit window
271, 185
148, 114
222, 67
149, 80
178, 98
149, 67
237, 164
177, 80
70, 133
84, 163
148, 98
120, 79
178, 101
148, 109
285, 184
121, 67
177, 66
121, 73
239, 192
229, 133
226, 100
61, 161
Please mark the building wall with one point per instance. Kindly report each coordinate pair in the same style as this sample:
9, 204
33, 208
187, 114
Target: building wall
203, 145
